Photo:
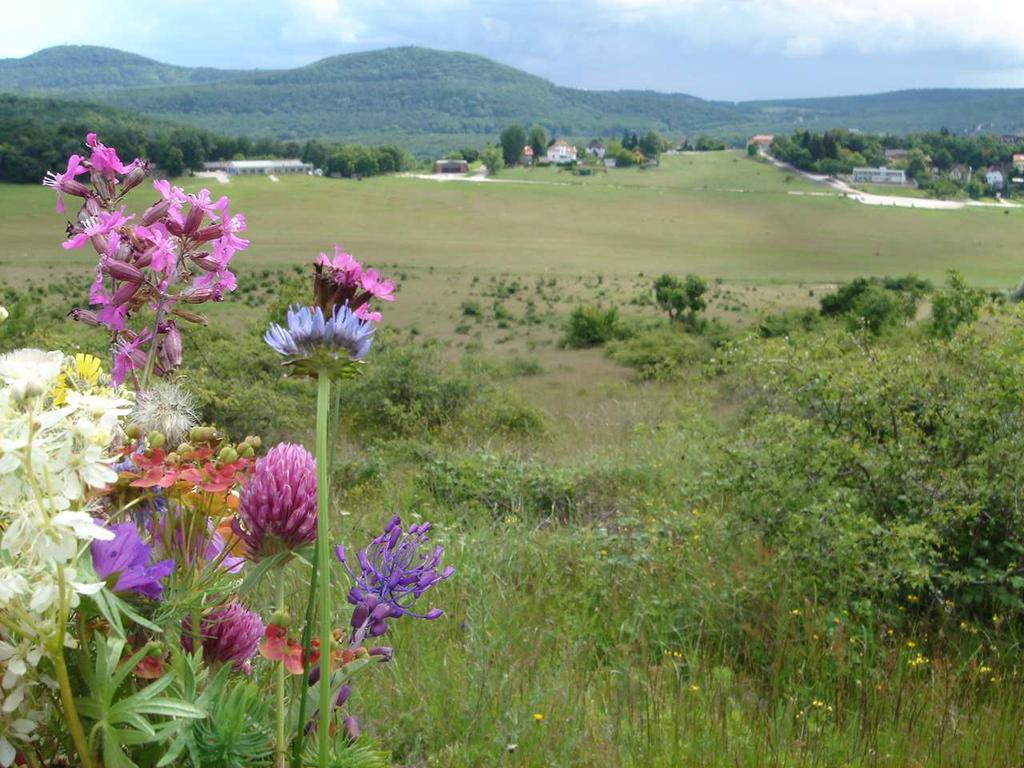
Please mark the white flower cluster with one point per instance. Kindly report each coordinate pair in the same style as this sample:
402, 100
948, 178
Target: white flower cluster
51, 457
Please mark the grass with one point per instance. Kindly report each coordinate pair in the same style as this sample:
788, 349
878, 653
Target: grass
629, 625
602, 225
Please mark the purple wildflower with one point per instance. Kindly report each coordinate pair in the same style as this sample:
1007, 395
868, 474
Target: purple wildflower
308, 333
230, 633
126, 560
392, 574
277, 506
65, 183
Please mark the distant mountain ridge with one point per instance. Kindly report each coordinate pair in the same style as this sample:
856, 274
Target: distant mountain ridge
426, 98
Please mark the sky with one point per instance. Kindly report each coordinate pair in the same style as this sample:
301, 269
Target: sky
717, 49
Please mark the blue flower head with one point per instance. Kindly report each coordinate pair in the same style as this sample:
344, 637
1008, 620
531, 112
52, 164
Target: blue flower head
309, 340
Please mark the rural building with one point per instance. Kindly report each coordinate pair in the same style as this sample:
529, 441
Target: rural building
762, 141
609, 162
960, 172
259, 167
1018, 161
895, 155
994, 178
879, 175
596, 149
451, 166
1011, 138
526, 158
560, 152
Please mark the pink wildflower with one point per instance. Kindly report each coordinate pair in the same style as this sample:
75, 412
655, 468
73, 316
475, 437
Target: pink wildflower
104, 159
96, 227
380, 289
64, 183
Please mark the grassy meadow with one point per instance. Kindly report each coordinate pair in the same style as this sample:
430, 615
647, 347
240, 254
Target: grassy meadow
630, 590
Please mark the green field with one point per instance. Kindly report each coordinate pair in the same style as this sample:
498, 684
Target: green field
674, 218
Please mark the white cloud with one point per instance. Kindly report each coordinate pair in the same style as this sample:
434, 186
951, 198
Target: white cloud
810, 27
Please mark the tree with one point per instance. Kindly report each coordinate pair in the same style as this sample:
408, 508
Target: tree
651, 144
315, 152
682, 299
537, 138
492, 158
513, 139
957, 304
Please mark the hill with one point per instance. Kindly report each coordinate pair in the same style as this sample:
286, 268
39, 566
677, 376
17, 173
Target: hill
432, 100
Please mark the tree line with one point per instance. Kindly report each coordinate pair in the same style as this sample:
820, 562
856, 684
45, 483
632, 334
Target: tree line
38, 135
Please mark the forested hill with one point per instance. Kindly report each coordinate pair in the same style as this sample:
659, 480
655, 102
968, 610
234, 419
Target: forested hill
427, 99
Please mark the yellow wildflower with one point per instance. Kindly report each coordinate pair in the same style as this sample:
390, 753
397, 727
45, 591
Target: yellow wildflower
537, 717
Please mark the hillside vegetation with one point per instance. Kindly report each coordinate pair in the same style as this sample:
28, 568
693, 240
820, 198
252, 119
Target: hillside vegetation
434, 100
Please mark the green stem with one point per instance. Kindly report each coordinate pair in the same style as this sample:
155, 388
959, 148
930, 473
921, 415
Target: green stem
280, 759
307, 626
307, 638
323, 546
60, 669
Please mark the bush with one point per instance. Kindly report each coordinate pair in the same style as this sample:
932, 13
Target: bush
408, 389
659, 354
788, 323
592, 326
885, 470
956, 305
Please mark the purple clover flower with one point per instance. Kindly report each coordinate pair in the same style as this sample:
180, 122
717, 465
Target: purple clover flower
307, 333
126, 559
228, 634
392, 575
277, 506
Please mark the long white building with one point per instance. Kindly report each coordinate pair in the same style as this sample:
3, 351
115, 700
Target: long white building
259, 167
880, 175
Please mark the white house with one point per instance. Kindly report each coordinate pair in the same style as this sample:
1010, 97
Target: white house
994, 178
560, 152
596, 149
879, 175
259, 167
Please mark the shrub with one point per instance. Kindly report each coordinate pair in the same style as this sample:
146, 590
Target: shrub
788, 323
955, 305
408, 389
885, 470
592, 326
659, 354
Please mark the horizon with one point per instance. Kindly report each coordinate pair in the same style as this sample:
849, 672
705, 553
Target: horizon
727, 51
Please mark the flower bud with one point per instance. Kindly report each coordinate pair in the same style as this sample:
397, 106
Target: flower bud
135, 176
155, 212
199, 295
184, 449
281, 619
208, 233
383, 652
102, 185
4, 314
204, 262
124, 293
343, 693
86, 316
351, 728
359, 615
228, 454
155, 439
23, 390
133, 431
154, 649
378, 628
93, 206
191, 317
169, 352
120, 270
246, 451
193, 220
382, 611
